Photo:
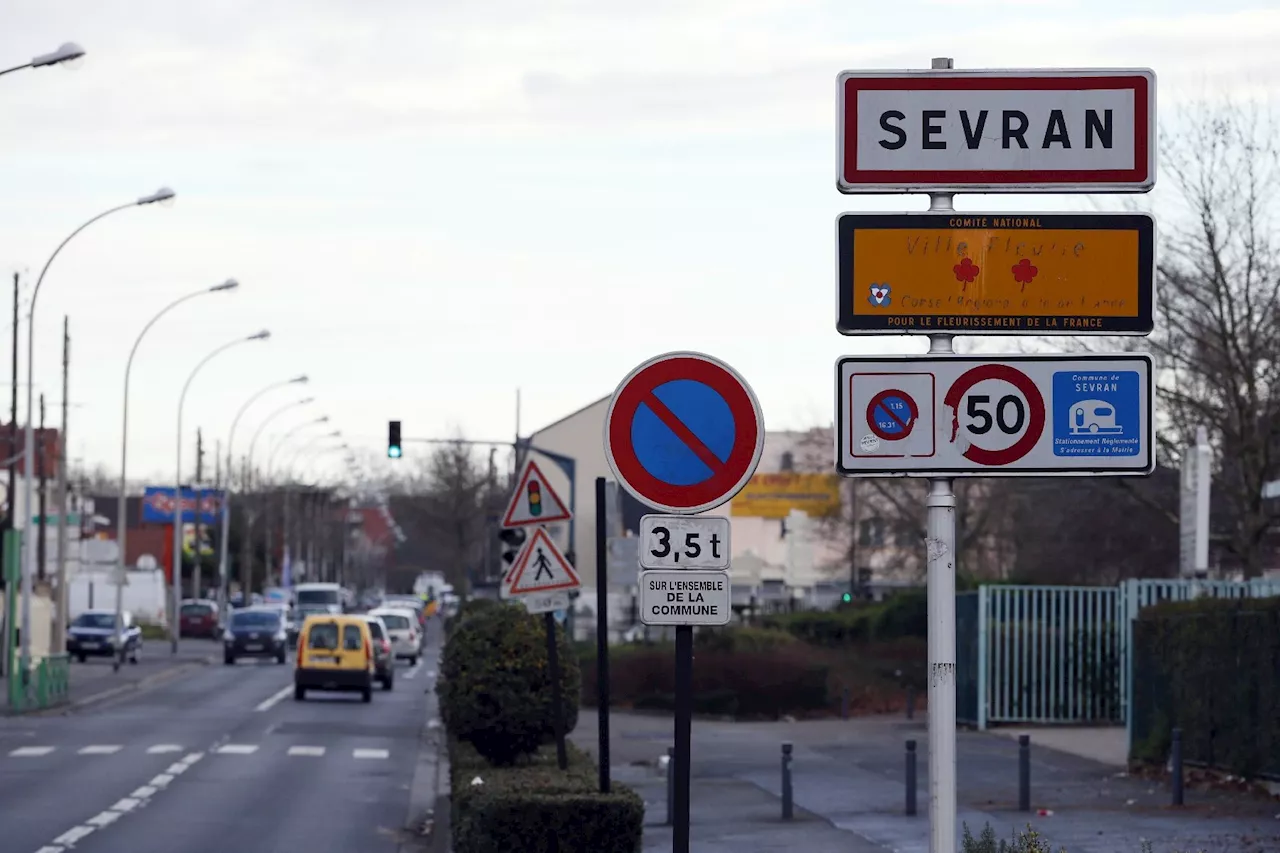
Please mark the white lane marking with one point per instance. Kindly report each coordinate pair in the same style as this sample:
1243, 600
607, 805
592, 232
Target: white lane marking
72, 835
413, 672
237, 749
31, 751
50, 850
306, 750
143, 793
161, 780
192, 758
431, 674
163, 749
128, 804
370, 753
176, 768
104, 818
101, 749
271, 701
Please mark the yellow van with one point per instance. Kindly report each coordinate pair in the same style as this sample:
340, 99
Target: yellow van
335, 652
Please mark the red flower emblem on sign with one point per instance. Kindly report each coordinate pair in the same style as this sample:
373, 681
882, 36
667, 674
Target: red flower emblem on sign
1024, 272
966, 271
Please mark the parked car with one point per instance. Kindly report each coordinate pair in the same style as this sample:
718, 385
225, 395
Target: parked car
93, 634
335, 652
384, 662
255, 632
198, 617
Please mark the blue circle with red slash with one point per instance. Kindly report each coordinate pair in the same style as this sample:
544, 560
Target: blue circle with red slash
891, 414
683, 433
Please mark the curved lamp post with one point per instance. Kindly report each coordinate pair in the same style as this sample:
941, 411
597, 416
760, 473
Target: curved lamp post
163, 194
324, 419
177, 481
308, 445
66, 56
223, 575
122, 517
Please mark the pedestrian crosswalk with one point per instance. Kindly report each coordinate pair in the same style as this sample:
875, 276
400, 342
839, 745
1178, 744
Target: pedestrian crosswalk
225, 749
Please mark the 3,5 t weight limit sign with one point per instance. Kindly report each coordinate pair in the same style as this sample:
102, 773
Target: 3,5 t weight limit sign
684, 542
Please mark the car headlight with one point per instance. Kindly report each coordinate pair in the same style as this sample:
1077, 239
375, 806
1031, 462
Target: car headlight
281, 636
228, 637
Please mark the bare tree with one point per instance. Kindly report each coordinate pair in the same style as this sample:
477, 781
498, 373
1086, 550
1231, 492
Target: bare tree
1218, 328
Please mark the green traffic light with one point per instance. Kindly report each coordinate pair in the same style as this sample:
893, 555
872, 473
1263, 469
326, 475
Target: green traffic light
393, 452
847, 597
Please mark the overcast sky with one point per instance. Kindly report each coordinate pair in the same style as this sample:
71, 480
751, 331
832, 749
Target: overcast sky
432, 204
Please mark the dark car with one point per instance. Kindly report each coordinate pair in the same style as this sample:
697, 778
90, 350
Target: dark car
198, 618
255, 633
93, 634
384, 661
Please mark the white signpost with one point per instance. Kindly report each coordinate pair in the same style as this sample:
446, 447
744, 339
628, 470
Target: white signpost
541, 576
1193, 516
941, 132
685, 597
960, 415
684, 542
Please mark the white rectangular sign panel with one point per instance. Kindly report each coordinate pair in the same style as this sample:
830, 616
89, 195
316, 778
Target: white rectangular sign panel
961, 415
684, 542
545, 602
683, 597
1090, 130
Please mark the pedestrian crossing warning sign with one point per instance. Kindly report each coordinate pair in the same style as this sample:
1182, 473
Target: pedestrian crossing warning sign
534, 501
541, 567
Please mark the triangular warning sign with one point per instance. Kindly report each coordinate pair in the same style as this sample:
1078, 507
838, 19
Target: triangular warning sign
534, 501
541, 567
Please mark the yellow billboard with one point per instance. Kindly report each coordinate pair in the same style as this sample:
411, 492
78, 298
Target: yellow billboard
775, 495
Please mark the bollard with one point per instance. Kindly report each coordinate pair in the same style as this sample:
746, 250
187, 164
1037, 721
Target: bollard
671, 784
786, 781
911, 778
1024, 773
911, 703
844, 704
1175, 766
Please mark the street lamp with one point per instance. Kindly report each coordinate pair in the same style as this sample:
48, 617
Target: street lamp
284, 439
177, 480
307, 445
122, 517
28, 436
68, 56
223, 574
266, 496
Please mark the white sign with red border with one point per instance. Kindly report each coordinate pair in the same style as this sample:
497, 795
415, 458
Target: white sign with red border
1061, 131
534, 501
1027, 415
540, 568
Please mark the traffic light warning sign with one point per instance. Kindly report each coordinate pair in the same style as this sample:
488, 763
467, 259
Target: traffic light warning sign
534, 501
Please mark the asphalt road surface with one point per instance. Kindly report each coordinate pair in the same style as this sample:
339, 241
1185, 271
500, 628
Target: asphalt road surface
224, 759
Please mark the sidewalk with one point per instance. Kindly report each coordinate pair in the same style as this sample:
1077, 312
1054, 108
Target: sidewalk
850, 777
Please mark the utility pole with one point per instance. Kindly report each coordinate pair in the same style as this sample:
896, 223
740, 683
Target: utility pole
60, 609
197, 557
217, 487
246, 540
13, 418
42, 474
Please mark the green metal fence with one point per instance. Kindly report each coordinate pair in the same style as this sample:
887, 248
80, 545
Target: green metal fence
43, 682
1060, 654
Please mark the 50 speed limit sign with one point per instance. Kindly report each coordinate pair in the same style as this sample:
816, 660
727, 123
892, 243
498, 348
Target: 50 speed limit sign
953, 415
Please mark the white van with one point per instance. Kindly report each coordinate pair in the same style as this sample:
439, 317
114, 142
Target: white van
314, 596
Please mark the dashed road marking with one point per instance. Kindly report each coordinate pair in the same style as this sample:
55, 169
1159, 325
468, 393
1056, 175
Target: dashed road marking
272, 700
127, 804
306, 750
72, 835
101, 749
104, 819
163, 749
237, 749
143, 793
31, 751
370, 753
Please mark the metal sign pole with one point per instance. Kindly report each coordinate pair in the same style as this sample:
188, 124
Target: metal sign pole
602, 633
940, 549
684, 737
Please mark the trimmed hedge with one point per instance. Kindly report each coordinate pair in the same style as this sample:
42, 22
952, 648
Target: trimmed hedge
537, 808
495, 692
1212, 668
903, 615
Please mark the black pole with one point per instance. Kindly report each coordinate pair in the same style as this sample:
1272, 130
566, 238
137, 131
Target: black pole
1175, 768
911, 778
557, 702
1024, 773
684, 735
41, 507
602, 632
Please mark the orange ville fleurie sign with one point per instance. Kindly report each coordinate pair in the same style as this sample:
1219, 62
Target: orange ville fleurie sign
996, 273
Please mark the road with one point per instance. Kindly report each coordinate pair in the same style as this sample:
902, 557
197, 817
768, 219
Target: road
222, 758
